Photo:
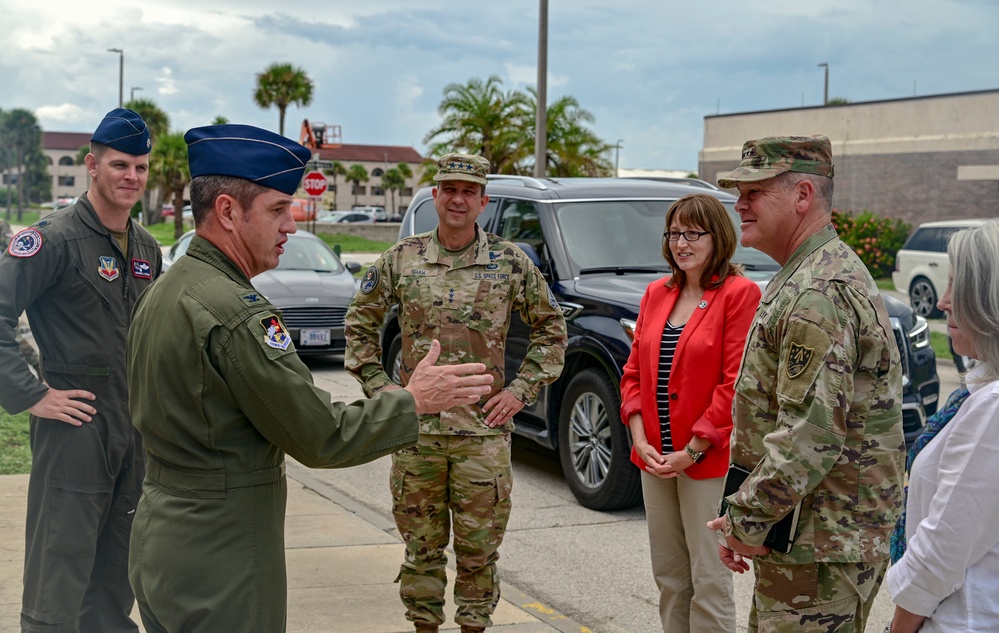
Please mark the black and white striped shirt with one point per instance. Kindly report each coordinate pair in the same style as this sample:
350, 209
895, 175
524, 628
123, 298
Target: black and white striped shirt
671, 335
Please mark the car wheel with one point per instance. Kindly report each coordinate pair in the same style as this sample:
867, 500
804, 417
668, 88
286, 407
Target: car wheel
593, 445
923, 298
393, 360
963, 363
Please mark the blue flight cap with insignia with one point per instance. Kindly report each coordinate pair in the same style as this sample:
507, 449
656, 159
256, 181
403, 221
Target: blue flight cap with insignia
244, 151
124, 130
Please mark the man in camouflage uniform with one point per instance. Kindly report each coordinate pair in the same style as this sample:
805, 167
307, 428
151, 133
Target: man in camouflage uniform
818, 404
459, 285
28, 351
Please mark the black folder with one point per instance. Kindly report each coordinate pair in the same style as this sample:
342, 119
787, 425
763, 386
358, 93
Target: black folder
781, 536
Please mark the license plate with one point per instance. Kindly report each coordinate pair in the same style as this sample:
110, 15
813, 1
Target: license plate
313, 337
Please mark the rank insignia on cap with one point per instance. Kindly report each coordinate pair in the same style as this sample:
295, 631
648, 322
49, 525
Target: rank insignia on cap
108, 268
275, 337
141, 269
25, 244
369, 281
797, 359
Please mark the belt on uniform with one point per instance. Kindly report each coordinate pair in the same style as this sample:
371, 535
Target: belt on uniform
206, 484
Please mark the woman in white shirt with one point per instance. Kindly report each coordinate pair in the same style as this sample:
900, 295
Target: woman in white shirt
948, 578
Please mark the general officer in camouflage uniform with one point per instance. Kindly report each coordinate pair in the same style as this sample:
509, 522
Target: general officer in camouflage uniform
220, 396
818, 415
458, 284
27, 349
78, 273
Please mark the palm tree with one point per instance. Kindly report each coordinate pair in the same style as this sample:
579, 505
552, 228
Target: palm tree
392, 180
336, 169
281, 85
479, 118
168, 168
158, 123
21, 137
220, 120
573, 149
406, 174
357, 174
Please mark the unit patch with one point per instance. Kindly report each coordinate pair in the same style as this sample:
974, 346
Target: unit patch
25, 244
141, 269
108, 268
275, 337
370, 281
798, 358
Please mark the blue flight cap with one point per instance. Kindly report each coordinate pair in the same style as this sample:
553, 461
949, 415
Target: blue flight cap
244, 151
125, 131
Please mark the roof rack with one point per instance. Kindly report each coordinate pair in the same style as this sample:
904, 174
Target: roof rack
525, 181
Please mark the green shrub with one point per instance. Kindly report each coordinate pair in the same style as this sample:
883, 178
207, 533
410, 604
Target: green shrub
874, 238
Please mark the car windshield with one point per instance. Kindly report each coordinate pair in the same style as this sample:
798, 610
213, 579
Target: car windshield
626, 235
308, 254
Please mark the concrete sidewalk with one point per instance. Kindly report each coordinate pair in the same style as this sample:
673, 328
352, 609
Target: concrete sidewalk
342, 561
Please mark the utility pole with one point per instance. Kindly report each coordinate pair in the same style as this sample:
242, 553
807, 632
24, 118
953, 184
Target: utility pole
121, 75
617, 153
825, 93
131, 96
541, 117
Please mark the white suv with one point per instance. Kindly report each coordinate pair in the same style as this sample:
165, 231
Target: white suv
921, 266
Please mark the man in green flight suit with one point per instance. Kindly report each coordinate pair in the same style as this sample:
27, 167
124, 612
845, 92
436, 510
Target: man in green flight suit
818, 404
220, 395
77, 274
458, 284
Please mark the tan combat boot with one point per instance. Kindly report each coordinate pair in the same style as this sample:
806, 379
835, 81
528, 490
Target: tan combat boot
423, 627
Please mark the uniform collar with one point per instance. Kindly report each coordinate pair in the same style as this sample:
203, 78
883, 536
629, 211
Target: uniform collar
207, 252
88, 215
477, 253
811, 244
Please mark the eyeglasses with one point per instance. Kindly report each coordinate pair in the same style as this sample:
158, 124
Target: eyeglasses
690, 236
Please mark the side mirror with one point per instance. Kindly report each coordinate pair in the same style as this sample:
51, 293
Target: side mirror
353, 267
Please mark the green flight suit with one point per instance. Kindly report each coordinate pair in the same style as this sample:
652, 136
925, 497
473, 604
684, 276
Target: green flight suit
78, 288
220, 396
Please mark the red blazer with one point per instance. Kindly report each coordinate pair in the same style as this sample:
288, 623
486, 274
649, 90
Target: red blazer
702, 378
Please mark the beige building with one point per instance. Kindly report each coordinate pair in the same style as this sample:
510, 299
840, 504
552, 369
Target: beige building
917, 159
69, 180
376, 160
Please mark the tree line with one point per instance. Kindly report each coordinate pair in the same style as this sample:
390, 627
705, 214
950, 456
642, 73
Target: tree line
477, 117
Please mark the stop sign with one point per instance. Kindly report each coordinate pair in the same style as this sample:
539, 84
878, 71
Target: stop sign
315, 183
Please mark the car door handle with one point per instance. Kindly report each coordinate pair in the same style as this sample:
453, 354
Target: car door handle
933, 264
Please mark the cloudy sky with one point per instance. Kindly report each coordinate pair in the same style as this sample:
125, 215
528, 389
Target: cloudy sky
648, 70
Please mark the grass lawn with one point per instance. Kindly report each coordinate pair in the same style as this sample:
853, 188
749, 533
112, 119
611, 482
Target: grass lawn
27, 218
941, 345
348, 243
15, 448
885, 284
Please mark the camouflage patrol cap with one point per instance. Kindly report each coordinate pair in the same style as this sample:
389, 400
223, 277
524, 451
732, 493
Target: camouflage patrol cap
462, 167
771, 156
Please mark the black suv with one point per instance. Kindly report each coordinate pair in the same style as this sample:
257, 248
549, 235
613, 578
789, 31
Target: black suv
598, 243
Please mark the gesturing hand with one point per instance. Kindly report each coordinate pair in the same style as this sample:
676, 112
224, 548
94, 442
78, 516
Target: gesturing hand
438, 388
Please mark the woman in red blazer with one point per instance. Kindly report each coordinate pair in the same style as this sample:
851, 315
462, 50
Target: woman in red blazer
676, 396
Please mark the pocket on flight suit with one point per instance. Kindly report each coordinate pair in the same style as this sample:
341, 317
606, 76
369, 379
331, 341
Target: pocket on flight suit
73, 516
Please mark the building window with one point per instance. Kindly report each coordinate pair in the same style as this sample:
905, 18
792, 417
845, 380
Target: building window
66, 160
377, 172
377, 191
67, 181
408, 191
359, 190
10, 179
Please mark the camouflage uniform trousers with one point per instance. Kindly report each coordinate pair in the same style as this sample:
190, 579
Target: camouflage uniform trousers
464, 480
814, 597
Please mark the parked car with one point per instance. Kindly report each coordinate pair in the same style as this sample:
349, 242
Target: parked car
335, 217
598, 243
921, 265
303, 210
378, 213
310, 286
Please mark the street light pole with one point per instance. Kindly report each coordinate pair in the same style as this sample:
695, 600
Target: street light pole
825, 94
121, 75
541, 116
131, 96
617, 153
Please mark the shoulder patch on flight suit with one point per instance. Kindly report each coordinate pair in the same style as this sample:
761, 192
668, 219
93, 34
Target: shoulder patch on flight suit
808, 346
25, 244
275, 336
370, 281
